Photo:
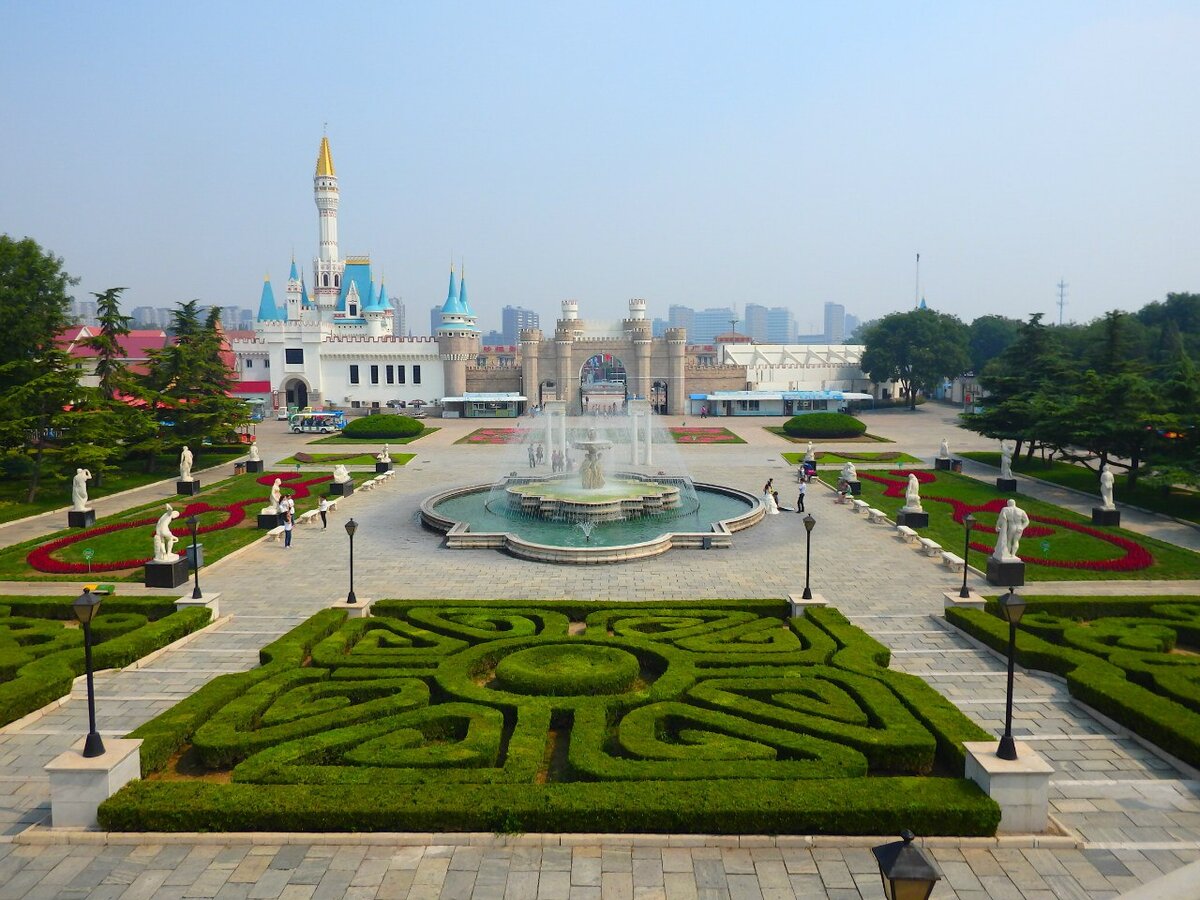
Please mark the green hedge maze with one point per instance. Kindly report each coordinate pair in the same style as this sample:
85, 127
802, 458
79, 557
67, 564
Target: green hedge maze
716, 716
41, 649
1135, 661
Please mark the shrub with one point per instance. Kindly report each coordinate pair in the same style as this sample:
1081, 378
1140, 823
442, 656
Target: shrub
824, 425
383, 427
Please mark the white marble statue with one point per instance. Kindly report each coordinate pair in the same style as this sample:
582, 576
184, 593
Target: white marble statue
1010, 525
254, 455
912, 495
386, 455
1007, 448
1106, 487
809, 454
848, 474
185, 465
276, 496
79, 497
164, 540
768, 500
944, 449
340, 474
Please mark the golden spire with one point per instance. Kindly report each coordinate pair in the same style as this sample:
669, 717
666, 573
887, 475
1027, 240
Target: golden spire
325, 159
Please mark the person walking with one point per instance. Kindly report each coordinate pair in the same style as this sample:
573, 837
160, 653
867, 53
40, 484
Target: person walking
532, 456
800, 499
323, 509
287, 532
540, 454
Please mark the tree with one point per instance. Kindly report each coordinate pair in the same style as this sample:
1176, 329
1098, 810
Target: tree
988, 337
110, 368
916, 349
33, 303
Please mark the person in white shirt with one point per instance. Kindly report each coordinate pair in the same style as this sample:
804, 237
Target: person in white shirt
323, 509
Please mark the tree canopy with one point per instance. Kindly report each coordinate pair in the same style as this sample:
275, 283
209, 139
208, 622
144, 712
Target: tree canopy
916, 349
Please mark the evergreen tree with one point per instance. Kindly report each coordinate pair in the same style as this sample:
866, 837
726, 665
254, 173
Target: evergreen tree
110, 369
916, 349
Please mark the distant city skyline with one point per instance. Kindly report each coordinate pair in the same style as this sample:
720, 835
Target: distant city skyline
778, 155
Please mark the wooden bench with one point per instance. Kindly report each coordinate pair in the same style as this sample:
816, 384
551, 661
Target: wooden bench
876, 515
906, 534
275, 533
860, 505
952, 562
930, 547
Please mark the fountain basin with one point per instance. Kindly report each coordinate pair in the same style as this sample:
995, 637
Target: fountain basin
462, 516
564, 499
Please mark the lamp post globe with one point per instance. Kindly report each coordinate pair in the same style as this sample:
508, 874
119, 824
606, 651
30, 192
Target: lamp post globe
809, 523
351, 527
907, 873
1012, 607
968, 524
86, 607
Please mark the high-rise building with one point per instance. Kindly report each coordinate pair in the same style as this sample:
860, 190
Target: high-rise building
852, 324
755, 324
658, 327
84, 312
435, 319
399, 320
513, 319
781, 325
681, 317
493, 339
708, 323
835, 323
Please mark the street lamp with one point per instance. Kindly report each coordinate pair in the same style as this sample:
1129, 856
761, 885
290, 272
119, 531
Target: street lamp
968, 523
86, 607
351, 527
194, 524
809, 522
906, 871
1012, 607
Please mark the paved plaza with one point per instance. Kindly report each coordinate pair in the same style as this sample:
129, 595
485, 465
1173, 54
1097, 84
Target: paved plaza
1131, 816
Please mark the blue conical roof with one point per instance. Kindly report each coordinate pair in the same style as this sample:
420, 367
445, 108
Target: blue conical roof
267, 310
294, 274
452, 306
304, 301
462, 297
382, 302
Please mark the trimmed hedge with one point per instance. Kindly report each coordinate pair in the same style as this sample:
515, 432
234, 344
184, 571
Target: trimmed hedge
566, 715
824, 425
383, 427
33, 679
1116, 665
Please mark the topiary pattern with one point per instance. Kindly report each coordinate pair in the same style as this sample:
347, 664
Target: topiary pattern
522, 705
383, 427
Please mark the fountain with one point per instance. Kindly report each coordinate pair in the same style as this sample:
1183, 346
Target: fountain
614, 506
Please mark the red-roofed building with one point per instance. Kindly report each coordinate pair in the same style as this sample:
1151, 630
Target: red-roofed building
135, 347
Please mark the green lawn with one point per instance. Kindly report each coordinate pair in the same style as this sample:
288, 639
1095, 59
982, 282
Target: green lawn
346, 459
1052, 551
55, 489
340, 439
1177, 502
860, 439
827, 458
134, 543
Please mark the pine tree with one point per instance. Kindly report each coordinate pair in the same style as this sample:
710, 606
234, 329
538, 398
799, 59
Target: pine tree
110, 352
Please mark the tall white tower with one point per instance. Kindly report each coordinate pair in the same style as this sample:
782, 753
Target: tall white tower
328, 266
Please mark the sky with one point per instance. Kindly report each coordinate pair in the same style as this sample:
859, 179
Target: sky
694, 153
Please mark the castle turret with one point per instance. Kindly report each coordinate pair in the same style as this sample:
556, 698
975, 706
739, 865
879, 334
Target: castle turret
327, 268
295, 291
531, 340
267, 310
676, 349
458, 339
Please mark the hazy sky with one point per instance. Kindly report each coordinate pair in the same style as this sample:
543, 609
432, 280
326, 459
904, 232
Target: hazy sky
690, 152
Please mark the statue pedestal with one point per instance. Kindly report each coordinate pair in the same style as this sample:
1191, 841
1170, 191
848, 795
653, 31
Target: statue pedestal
1102, 516
855, 488
1006, 485
1005, 573
269, 520
913, 519
81, 518
941, 465
254, 465
166, 574
341, 488
78, 785
187, 488
1020, 786
381, 467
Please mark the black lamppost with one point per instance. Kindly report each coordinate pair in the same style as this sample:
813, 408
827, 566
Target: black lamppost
906, 871
968, 524
809, 522
194, 524
86, 607
1012, 607
351, 527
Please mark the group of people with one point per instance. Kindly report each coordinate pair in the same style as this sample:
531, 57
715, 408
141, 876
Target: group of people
560, 460
770, 498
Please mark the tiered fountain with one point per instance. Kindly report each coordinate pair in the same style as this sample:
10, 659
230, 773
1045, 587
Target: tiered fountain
611, 508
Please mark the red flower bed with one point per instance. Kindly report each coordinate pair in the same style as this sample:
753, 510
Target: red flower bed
1135, 557
42, 559
491, 436
704, 436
